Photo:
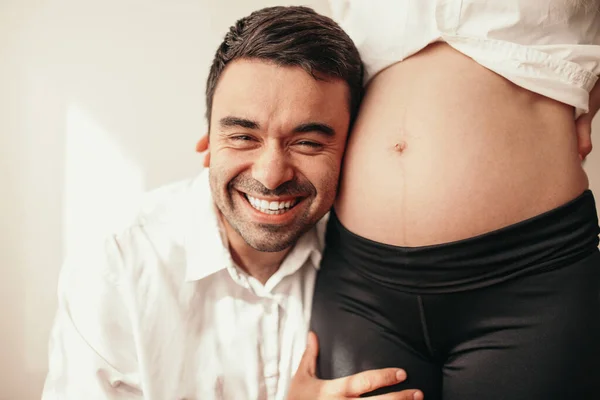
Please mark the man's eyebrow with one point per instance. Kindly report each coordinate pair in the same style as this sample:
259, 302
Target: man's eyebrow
232, 122
315, 127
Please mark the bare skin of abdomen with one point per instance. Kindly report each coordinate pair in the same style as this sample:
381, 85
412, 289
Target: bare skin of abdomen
444, 149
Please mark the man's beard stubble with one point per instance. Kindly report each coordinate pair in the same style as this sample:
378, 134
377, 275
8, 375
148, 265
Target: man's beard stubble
275, 238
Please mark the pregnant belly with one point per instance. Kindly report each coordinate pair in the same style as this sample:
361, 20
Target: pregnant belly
440, 154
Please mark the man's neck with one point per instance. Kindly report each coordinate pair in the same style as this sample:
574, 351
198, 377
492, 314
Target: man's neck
258, 264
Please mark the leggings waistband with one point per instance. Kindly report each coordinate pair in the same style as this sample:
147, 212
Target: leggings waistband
550, 240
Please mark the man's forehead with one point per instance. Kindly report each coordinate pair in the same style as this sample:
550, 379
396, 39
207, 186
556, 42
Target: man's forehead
266, 93
256, 79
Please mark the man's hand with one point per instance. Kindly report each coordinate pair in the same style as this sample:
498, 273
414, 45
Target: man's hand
306, 386
201, 147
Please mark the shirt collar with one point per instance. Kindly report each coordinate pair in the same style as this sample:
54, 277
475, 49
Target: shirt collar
205, 251
206, 247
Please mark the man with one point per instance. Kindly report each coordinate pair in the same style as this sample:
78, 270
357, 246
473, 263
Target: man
207, 293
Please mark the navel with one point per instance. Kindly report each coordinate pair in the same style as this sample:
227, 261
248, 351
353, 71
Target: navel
400, 147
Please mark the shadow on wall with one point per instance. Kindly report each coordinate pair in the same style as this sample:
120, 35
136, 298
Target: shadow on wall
102, 183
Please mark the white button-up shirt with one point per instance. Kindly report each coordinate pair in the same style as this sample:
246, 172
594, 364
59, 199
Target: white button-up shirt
161, 312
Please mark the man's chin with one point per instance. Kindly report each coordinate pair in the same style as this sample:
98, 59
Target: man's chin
269, 237
273, 245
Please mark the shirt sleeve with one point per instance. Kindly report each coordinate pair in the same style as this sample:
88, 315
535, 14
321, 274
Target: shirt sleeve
92, 347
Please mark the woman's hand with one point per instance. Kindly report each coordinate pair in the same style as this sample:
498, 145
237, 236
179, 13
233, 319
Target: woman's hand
583, 125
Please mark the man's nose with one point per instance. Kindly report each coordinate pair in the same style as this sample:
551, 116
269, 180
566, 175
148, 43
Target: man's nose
273, 168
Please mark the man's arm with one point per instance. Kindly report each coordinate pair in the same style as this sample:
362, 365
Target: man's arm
92, 352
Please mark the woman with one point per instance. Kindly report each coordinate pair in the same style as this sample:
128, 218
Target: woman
463, 245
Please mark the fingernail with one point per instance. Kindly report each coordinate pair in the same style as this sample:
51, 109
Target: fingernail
401, 375
418, 396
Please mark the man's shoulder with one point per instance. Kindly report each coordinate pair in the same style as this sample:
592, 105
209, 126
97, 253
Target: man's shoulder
164, 207
158, 225
142, 258
147, 246
165, 203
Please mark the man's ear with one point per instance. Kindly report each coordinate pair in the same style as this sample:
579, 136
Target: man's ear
201, 147
202, 144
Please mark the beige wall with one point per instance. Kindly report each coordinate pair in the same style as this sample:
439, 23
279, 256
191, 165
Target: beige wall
99, 101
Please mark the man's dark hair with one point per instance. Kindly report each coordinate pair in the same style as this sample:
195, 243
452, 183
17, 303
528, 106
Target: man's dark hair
291, 36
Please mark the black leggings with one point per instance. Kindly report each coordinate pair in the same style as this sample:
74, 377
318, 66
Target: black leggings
512, 314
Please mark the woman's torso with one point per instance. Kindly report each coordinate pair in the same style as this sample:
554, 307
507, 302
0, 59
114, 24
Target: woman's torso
475, 153
474, 129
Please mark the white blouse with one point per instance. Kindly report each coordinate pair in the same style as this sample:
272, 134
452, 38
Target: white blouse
550, 47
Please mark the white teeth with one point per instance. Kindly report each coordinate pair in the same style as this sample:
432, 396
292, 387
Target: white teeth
272, 207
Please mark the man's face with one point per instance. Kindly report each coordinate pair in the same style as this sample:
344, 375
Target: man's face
276, 143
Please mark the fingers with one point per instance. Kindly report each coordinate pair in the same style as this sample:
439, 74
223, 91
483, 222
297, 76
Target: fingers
308, 362
584, 136
312, 346
202, 144
408, 394
365, 382
206, 162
